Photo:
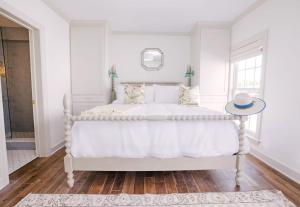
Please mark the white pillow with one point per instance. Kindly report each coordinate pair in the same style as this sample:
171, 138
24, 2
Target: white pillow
149, 94
166, 94
119, 94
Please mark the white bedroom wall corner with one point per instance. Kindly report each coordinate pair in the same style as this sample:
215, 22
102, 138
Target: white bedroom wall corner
280, 131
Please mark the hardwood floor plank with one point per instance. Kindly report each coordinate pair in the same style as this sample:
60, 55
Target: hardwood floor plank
118, 185
190, 182
109, 183
160, 185
149, 185
86, 186
27, 182
170, 182
98, 183
78, 178
46, 175
180, 182
129, 182
139, 183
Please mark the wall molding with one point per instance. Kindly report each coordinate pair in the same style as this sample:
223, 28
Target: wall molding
88, 23
57, 11
250, 9
151, 33
212, 25
57, 147
275, 164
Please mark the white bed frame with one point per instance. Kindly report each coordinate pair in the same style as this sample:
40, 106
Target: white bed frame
150, 164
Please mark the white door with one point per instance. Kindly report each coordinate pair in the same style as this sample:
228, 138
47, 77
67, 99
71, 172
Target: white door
4, 179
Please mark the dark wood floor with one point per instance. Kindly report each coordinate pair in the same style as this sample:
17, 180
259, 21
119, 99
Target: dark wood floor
46, 175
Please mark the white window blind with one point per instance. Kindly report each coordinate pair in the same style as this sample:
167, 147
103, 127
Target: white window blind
247, 66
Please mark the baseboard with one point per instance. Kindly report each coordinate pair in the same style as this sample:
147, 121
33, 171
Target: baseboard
57, 147
280, 167
3, 183
20, 144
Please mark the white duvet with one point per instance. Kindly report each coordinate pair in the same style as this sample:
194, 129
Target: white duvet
163, 139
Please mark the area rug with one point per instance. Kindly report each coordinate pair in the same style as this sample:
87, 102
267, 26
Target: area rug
230, 199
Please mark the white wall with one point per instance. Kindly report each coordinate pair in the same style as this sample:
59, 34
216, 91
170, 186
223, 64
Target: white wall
55, 52
210, 46
126, 54
195, 53
280, 135
90, 62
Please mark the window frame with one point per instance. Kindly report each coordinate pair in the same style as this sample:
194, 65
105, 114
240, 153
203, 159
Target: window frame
242, 52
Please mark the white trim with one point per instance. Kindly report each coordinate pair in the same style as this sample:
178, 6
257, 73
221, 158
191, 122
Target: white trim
153, 164
260, 38
39, 82
87, 23
57, 147
4, 179
273, 163
211, 24
150, 33
20, 140
56, 10
250, 9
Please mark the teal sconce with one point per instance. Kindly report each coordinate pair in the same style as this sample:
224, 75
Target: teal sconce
189, 74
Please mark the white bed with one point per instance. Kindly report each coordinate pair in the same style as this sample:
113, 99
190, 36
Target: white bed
152, 137
159, 139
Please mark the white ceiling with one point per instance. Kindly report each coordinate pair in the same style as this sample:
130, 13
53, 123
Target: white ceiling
152, 15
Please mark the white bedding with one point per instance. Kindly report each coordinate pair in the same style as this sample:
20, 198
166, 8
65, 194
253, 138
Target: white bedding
163, 139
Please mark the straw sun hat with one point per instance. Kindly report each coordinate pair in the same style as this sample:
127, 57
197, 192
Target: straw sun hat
244, 105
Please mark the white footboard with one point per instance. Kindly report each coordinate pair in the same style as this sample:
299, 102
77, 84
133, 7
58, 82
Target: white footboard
150, 164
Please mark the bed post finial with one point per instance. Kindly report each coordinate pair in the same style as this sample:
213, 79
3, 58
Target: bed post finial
242, 150
68, 139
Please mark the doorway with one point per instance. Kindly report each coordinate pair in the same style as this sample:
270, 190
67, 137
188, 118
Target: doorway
16, 88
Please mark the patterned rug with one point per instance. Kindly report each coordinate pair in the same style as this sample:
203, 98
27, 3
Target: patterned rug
231, 199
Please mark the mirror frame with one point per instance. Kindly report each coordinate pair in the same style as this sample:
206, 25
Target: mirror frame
152, 68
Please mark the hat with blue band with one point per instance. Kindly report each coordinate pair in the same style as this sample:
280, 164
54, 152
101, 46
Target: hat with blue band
244, 105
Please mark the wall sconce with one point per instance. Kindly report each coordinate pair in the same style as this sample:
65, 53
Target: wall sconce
2, 69
112, 73
189, 74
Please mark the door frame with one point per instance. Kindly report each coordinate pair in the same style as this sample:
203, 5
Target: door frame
39, 90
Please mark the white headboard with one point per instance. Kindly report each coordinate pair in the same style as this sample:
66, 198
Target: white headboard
113, 95
151, 83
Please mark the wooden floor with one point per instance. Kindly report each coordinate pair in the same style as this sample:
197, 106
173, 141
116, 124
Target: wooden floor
46, 175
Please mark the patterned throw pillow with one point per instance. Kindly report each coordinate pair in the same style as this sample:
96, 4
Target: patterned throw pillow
134, 94
189, 96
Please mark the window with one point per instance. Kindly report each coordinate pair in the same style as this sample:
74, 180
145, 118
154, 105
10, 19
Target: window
247, 77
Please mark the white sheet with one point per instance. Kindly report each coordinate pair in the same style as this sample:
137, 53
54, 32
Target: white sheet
163, 139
